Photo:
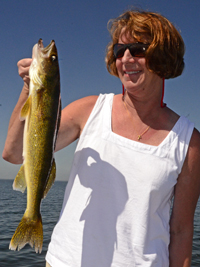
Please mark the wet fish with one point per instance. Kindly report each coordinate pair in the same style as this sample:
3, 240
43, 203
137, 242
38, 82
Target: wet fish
41, 113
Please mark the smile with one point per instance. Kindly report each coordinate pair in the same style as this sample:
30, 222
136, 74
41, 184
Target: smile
132, 72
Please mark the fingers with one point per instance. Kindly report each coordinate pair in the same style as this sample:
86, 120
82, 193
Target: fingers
23, 69
25, 62
23, 66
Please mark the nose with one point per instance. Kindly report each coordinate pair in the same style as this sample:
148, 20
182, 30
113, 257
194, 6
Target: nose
127, 56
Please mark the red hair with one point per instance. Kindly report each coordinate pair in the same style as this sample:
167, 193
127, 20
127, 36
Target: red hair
166, 50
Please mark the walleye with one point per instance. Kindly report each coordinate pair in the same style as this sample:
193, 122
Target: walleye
41, 113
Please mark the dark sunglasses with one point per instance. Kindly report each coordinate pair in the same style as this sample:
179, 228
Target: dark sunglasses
136, 49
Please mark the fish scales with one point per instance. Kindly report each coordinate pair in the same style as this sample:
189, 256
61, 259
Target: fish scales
41, 113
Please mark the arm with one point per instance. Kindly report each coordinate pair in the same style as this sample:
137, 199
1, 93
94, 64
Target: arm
73, 119
13, 146
186, 196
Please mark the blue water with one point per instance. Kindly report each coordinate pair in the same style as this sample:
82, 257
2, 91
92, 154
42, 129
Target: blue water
12, 207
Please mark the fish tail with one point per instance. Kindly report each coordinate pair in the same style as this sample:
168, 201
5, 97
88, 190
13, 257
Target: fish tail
28, 231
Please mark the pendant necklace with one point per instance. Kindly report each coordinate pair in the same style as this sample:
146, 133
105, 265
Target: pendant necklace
140, 135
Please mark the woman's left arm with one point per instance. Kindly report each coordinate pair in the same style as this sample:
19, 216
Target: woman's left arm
187, 192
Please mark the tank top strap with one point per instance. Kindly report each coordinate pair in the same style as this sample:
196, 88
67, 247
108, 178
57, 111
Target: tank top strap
99, 120
178, 141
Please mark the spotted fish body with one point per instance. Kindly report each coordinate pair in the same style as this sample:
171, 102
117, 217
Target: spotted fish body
41, 113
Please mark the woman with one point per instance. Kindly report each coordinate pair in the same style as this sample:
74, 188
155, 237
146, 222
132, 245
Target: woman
134, 154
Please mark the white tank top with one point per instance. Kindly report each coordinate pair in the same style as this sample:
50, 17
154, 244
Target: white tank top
116, 208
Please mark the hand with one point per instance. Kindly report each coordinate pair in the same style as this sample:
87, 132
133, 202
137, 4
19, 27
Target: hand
23, 70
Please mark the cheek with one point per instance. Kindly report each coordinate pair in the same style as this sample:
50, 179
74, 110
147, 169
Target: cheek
118, 65
142, 61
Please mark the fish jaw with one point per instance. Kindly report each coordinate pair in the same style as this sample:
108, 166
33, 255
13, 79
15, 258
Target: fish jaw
44, 66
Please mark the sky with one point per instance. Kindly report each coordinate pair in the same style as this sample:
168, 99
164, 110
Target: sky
79, 29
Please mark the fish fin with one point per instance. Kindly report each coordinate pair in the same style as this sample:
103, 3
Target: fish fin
51, 178
26, 108
28, 231
19, 183
36, 79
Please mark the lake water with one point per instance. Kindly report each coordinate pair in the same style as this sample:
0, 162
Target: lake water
12, 207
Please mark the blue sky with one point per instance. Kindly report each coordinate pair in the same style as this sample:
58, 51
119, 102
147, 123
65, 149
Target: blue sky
80, 31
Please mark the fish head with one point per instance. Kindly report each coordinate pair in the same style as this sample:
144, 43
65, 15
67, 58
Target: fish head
44, 68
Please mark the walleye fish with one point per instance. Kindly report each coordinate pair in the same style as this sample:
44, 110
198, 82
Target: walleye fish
41, 113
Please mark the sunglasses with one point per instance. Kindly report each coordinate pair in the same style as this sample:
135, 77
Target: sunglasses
136, 49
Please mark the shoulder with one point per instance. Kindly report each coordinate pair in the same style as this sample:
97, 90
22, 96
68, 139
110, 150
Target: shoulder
192, 160
187, 189
190, 174
73, 119
195, 139
82, 105
88, 101
79, 110
193, 155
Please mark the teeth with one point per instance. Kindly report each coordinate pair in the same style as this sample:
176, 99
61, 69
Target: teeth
132, 72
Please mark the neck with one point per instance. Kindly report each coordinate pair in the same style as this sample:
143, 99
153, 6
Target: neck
144, 108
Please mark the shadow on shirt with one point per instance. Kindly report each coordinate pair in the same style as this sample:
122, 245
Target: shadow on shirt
104, 204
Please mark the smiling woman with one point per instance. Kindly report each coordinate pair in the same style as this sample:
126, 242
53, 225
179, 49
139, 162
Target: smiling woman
166, 50
133, 156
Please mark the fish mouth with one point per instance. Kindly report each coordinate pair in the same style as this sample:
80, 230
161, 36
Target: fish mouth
45, 50
40, 50
40, 43
40, 55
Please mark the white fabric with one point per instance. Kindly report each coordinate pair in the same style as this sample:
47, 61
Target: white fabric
117, 202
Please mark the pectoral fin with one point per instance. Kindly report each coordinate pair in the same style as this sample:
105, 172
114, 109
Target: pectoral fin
51, 179
19, 183
26, 109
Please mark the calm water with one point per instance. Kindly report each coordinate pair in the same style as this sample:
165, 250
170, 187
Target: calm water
12, 206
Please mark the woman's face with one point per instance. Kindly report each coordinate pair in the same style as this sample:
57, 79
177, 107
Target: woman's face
133, 72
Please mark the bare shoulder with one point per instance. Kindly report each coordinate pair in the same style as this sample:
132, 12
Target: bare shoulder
195, 139
192, 161
189, 178
86, 102
187, 189
193, 155
79, 110
191, 165
73, 119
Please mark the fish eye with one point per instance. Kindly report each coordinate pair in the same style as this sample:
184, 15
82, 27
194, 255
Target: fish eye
53, 58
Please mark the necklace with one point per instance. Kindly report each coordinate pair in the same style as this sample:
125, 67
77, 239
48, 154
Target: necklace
140, 135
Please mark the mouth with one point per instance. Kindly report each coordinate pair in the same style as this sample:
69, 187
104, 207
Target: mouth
40, 51
132, 72
45, 50
40, 43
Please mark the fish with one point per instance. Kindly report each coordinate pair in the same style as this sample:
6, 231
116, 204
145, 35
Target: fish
41, 113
